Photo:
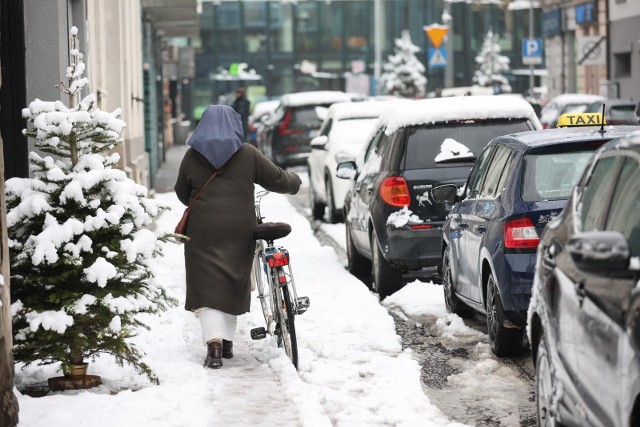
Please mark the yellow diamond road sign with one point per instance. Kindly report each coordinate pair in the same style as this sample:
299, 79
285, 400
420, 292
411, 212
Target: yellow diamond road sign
436, 33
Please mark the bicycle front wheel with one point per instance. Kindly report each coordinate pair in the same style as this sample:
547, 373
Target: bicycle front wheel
287, 329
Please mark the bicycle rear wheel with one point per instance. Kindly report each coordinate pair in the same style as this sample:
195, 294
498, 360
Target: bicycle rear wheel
287, 330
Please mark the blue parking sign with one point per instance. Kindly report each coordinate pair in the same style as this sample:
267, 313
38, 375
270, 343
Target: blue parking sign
531, 51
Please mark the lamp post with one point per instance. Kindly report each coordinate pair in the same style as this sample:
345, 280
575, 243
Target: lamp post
447, 20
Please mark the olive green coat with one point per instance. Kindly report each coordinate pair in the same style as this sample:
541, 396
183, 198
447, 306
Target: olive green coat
219, 254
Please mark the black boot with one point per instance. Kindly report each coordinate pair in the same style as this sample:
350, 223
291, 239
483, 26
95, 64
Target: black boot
214, 355
227, 349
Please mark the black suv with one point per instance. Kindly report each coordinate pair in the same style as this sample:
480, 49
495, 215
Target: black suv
285, 138
392, 225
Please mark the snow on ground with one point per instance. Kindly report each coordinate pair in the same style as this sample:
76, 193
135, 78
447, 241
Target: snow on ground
484, 380
352, 369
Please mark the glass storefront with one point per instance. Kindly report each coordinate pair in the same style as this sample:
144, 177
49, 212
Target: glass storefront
315, 44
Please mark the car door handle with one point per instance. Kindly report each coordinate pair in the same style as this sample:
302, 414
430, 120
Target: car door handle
481, 228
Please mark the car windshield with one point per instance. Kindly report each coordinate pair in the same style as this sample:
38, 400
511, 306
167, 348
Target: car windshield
455, 142
552, 176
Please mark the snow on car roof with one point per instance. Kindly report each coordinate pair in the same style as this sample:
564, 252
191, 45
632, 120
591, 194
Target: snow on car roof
361, 109
576, 98
264, 106
315, 97
630, 139
428, 111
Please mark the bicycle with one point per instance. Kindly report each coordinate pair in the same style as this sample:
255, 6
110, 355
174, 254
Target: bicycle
272, 270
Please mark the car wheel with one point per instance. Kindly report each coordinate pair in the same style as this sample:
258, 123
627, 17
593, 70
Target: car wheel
545, 411
504, 341
451, 301
317, 208
358, 265
334, 215
386, 279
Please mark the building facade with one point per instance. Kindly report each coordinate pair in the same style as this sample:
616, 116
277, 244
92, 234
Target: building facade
323, 45
591, 46
624, 48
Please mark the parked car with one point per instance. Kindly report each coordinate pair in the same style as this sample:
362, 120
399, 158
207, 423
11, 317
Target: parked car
584, 316
518, 185
343, 133
392, 225
285, 138
259, 117
617, 111
565, 103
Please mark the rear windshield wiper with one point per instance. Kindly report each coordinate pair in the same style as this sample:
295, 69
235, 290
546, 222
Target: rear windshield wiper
469, 159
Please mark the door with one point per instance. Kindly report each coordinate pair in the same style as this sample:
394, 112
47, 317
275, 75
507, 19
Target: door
577, 342
602, 318
461, 217
485, 214
359, 213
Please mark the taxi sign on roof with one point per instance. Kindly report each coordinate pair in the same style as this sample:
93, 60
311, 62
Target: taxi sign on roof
581, 119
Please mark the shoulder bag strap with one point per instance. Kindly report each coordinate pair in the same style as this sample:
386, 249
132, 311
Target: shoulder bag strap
202, 189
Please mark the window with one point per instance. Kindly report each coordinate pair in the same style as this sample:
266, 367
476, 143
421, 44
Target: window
475, 179
425, 143
227, 38
590, 208
552, 176
622, 64
306, 27
624, 211
490, 186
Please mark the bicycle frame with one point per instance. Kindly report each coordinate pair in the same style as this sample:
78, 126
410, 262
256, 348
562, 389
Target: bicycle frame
276, 291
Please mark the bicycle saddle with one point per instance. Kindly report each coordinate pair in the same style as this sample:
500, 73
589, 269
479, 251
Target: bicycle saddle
271, 231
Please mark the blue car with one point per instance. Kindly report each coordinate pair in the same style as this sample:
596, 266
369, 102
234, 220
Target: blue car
518, 185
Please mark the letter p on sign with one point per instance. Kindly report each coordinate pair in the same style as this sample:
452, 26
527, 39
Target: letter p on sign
532, 51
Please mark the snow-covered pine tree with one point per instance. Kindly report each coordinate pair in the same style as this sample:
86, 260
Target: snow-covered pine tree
492, 66
403, 73
78, 237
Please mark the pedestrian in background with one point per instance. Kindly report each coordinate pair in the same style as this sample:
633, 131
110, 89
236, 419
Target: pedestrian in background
219, 252
242, 106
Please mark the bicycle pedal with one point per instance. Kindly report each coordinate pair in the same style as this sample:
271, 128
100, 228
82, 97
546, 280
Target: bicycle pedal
258, 333
302, 304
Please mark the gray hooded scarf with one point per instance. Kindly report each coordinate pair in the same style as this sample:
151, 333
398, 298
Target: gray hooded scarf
219, 254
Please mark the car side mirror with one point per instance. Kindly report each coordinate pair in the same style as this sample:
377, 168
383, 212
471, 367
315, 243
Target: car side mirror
347, 170
447, 193
600, 251
319, 142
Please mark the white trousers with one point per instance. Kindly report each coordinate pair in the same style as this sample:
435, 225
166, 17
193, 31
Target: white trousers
216, 324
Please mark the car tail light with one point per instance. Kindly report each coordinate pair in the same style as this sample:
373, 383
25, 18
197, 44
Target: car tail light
283, 127
520, 233
395, 192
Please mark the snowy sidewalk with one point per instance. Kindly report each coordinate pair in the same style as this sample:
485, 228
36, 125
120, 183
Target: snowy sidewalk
352, 370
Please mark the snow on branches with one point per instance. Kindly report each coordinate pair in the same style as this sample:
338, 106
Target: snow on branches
403, 73
492, 66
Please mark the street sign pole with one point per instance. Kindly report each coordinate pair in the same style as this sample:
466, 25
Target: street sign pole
531, 77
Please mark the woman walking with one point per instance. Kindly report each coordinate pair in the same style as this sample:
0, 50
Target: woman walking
219, 252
